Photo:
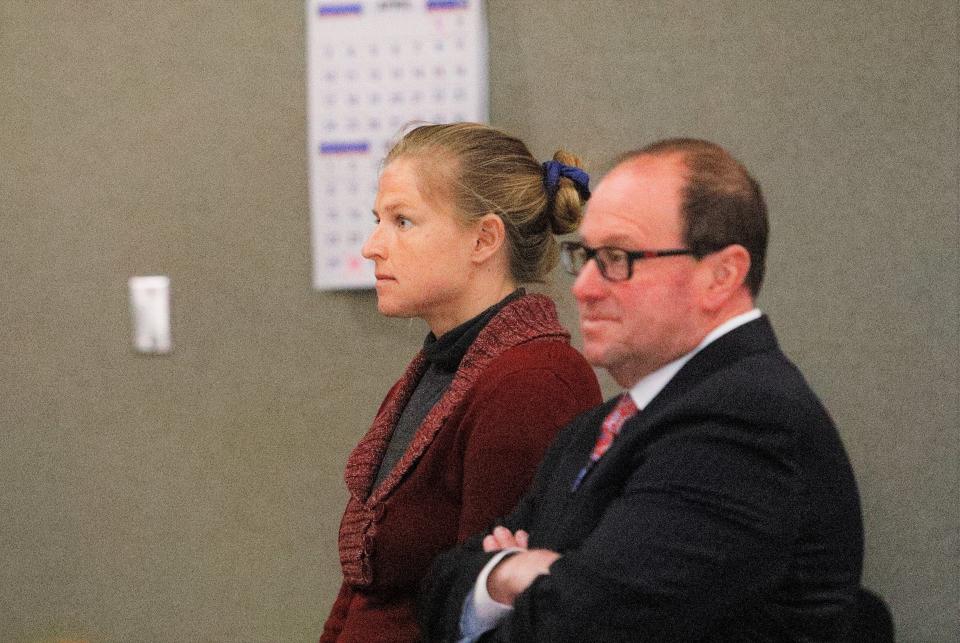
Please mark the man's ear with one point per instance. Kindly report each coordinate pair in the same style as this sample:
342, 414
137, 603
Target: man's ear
491, 235
724, 275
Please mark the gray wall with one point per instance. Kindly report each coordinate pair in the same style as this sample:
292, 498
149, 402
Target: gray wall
197, 496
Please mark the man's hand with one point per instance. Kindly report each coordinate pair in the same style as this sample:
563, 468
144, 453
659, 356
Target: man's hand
501, 538
515, 573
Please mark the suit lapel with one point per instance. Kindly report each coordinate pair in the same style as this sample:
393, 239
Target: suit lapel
753, 337
741, 342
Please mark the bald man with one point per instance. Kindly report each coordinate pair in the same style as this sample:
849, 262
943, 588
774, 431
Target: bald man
712, 500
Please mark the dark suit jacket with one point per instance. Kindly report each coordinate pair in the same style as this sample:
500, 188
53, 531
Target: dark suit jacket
726, 510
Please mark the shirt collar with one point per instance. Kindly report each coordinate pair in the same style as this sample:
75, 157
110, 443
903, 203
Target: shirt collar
448, 350
650, 385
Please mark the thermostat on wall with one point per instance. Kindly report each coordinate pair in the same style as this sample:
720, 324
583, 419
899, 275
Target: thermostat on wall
150, 308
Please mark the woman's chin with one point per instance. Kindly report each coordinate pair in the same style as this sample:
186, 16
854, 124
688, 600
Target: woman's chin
388, 308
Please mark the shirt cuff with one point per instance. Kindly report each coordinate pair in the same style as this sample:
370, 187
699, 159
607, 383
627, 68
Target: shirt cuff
480, 612
485, 606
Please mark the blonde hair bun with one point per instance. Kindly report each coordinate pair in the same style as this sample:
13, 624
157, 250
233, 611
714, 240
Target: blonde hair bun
566, 208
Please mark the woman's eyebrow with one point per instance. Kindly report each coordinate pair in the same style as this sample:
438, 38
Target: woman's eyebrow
393, 205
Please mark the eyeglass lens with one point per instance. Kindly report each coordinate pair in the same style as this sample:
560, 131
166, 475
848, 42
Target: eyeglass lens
614, 264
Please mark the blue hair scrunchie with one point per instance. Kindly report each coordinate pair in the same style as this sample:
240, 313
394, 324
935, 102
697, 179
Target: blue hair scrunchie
553, 170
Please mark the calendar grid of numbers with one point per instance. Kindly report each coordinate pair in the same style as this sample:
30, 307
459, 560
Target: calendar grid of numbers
373, 67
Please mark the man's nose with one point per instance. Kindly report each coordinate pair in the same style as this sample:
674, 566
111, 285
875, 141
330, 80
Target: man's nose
589, 283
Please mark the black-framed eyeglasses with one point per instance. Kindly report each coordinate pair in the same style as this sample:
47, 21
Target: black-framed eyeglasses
615, 264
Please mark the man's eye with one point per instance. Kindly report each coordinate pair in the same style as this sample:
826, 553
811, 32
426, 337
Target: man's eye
614, 257
403, 222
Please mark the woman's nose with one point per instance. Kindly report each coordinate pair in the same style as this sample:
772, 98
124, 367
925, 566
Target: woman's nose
373, 246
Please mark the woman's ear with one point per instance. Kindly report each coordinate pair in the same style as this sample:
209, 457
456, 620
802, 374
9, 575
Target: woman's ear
490, 237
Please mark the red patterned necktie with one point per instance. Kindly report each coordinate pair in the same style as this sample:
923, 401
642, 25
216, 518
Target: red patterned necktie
622, 411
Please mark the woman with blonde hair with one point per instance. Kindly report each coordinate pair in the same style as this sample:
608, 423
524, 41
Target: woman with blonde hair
464, 216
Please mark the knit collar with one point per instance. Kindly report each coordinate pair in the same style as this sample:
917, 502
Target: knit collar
446, 351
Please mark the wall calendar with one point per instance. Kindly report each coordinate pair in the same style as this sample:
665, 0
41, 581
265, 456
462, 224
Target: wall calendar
374, 67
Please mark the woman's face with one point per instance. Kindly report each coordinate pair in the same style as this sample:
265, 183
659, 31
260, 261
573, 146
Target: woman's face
422, 253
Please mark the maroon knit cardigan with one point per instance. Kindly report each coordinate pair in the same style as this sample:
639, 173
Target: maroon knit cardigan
529, 318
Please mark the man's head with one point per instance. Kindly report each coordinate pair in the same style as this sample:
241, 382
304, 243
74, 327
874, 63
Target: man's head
679, 194
722, 203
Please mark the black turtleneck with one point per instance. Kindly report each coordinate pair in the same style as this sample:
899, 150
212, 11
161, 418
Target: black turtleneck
443, 356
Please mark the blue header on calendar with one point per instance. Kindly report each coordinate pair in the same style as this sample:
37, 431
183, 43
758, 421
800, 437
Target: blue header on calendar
337, 9
447, 5
344, 147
